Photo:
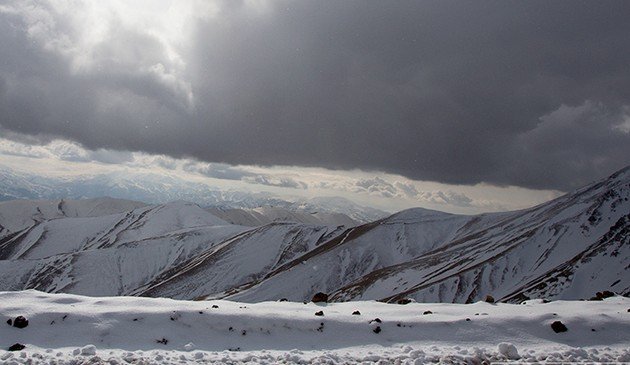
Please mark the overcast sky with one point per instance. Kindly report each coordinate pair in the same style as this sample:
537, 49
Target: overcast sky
529, 94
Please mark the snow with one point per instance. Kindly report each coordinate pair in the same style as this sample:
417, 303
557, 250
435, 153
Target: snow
260, 216
19, 214
70, 329
569, 248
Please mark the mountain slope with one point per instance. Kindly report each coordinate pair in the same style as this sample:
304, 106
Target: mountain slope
568, 248
109, 254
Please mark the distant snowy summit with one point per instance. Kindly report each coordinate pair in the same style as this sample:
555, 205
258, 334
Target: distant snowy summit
243, 207
568, 248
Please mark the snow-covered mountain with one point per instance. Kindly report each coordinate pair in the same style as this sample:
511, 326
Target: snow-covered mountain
568, 248
260, 207
254, 217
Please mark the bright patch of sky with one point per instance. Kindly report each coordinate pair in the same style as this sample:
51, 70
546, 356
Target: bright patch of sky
60, 158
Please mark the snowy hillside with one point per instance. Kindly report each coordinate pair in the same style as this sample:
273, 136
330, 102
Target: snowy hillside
70, 329
260, 216
18, 214
110, 254
569, 248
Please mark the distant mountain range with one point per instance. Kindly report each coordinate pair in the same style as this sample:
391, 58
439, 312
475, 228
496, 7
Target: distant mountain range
156, 188
568, 248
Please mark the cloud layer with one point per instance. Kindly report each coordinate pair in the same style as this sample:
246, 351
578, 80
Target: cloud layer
533, 94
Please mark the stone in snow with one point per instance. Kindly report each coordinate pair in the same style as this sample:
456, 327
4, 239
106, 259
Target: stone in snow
20, 322
508, 350
320, 298
558, 327
16, 347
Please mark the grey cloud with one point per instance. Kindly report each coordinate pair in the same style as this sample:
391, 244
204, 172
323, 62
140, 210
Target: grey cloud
383, 188
218, 171
407, 188
283, 182
433, 90
446, 197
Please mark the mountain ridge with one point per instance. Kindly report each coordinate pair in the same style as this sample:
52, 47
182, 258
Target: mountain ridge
567, 248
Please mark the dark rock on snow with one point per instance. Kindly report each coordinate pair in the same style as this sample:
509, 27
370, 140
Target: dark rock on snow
320, 313
558, 327
377, 329
601, 295
404, 301
16, 347
427, 312
357, 313
320, 298
20, 322
489, 299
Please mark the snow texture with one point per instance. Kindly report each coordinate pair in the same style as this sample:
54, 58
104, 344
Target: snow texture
71, 329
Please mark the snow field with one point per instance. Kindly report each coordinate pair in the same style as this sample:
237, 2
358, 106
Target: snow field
70, 329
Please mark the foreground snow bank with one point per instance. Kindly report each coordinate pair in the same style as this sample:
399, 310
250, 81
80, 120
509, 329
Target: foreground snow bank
70, 329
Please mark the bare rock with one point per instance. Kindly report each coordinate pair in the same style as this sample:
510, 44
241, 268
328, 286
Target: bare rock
20, 322
558, 327
16, 347
320, 298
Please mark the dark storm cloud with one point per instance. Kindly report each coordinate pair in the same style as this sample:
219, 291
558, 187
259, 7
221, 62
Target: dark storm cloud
532, 93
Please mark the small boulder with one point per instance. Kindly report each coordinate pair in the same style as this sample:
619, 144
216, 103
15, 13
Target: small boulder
509, 350
214, 306
16, 347
489, 299
357, 313
283, 300
10, 322
404, 301
377, 329
607, 294
377, 320
601, 295
427, 312
319, 313
558, 327
88, 350
320, 298
20, 322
